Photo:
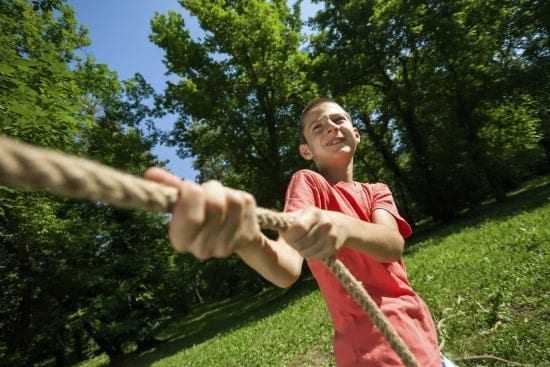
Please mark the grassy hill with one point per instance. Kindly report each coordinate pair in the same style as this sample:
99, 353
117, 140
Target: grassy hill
484, 277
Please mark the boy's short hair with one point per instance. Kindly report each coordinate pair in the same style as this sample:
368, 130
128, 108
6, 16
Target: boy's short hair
311, 105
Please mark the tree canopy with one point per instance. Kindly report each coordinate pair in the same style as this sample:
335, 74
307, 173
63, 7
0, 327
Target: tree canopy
430, 83
76, 276
240, 90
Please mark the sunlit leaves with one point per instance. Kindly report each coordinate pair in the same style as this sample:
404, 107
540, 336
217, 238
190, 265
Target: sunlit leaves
35, 71
244, 79
436, 72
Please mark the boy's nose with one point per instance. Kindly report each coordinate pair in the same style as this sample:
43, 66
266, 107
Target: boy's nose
331, 126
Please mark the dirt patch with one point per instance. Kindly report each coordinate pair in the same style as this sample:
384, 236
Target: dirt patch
315, 357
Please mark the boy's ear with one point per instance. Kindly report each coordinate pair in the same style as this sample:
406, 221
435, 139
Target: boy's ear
305, 152
357, 135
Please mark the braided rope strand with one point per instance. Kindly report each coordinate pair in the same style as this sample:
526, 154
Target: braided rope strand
356, 289
28, 166
37, 168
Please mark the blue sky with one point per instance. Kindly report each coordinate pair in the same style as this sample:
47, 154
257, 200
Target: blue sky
119, 31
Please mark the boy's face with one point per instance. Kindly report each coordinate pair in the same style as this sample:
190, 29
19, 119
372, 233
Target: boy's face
329, 134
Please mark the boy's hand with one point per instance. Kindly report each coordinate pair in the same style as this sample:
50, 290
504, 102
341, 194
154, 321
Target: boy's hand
315, 233
209, 220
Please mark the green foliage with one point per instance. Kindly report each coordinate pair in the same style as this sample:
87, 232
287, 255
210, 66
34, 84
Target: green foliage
74, 270
123, 299
75, 276
127, 261
34, 240
240, 91
39, 102
434, 77
37, 49
511, 136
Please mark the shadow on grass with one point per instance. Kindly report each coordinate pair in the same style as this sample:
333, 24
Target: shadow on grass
533, 195
225, 316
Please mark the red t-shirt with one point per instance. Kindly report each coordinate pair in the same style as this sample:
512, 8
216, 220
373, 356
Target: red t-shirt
357, 342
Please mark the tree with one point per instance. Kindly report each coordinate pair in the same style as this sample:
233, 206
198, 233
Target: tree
240, 92
38, 48
73, 270
433, 70
239, 96
39, 102
124, 297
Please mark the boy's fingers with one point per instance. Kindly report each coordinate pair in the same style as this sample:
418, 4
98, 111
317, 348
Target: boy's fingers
301, 226
216, 208
189, 216
318, 251
162, 176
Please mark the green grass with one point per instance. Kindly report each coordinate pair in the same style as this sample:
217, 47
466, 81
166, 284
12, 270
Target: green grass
277, 327
484, 278
281, 331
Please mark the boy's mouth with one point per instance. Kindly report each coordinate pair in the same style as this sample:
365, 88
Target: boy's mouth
334, 141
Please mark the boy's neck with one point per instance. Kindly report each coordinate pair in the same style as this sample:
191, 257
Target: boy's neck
338, 173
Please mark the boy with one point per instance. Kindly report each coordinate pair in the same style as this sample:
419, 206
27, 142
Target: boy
333, 214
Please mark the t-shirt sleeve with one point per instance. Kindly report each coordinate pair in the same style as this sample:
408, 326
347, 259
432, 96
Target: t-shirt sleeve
383, 199
301, 192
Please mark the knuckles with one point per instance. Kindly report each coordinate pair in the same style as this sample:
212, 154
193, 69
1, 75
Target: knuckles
200, 224
201, 254
178, 246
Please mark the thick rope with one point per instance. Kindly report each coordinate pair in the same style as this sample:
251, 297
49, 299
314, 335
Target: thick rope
29, 166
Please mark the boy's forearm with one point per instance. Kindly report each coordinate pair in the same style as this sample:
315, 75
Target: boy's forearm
379, 241
274, 260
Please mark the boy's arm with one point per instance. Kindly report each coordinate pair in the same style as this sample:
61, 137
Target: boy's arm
380, 240
274, 260
211, 220
318, 234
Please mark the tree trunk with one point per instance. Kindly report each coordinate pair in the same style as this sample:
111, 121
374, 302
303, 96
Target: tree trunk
114, 351
60, 360
78, 350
